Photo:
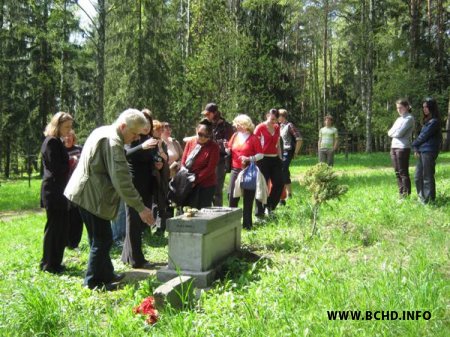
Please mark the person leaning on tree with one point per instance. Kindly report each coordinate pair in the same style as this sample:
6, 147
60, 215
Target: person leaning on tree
401, 133
222, 132
100, 179
328, 141
55, 161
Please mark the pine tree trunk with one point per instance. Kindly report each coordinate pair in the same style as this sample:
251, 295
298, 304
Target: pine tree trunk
101, 63
414, 32
442, 74
447, 127
325, 59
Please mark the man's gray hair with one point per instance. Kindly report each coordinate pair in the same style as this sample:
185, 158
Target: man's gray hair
133, 118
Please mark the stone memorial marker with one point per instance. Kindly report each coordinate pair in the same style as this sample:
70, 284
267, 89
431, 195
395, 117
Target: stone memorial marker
198, 244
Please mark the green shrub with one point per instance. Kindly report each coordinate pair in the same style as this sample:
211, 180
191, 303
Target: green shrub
322, 183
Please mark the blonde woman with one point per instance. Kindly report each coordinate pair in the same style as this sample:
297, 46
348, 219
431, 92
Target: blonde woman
55, 161
244, 148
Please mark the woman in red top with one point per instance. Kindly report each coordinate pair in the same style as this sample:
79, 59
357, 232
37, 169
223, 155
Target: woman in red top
270, 166
244, 147
201, 155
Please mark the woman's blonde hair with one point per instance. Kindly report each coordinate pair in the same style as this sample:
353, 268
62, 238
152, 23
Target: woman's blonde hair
52, 129
245, 122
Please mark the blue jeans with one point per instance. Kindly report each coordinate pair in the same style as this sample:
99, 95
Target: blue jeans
118, 225
100, 269
286, 162
424, 178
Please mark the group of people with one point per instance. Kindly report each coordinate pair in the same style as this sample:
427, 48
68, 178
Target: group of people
135, 160
425, 146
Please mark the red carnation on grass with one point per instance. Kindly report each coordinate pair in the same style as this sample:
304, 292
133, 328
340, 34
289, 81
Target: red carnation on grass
147, 307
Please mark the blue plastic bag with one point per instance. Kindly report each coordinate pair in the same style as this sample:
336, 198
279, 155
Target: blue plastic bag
249, 177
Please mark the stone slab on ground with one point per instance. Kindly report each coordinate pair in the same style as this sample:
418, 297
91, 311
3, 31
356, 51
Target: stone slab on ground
177, 292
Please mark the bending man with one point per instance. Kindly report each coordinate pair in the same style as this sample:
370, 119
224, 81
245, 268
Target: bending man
100, 179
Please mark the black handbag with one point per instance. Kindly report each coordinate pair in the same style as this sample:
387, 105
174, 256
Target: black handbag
180, 186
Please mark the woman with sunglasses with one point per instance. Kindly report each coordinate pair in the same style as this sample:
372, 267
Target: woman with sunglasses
201, 156
426, 149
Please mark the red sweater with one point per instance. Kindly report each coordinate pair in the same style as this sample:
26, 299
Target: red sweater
205, 162
249, 147
268, 141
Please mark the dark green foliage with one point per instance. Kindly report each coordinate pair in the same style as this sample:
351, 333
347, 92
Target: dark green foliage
248, 56
323, 184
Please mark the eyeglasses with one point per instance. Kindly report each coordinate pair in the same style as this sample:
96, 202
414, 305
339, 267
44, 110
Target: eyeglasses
429, 99
203, 135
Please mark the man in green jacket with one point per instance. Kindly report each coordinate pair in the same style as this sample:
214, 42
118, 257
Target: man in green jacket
100, 179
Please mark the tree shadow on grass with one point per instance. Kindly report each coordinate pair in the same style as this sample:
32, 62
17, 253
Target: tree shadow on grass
288, 245
374, 179
242, 268
75, 271
442, 201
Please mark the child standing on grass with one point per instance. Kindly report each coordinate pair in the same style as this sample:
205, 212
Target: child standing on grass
328, 141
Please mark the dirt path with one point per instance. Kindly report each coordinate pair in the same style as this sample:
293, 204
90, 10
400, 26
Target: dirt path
8, 215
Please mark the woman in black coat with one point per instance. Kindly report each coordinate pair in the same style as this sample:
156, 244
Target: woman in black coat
426, 149
55, 161
140, 155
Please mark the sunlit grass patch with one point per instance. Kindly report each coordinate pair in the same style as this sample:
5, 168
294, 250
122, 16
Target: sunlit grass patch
372, 252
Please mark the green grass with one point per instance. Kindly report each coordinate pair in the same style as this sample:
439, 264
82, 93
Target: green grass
16, 195
372, 253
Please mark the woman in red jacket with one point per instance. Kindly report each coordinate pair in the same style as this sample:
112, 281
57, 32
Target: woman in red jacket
244, 147
201, 156
268, 133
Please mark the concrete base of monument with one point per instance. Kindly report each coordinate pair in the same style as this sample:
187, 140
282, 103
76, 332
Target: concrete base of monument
202, 279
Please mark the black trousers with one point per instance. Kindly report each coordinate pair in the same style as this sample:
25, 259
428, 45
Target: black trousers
55, 238
132, 246
201, 197
400, 161
271, 169
100, 269
75, 227
249, 197
424, 178
220, 173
